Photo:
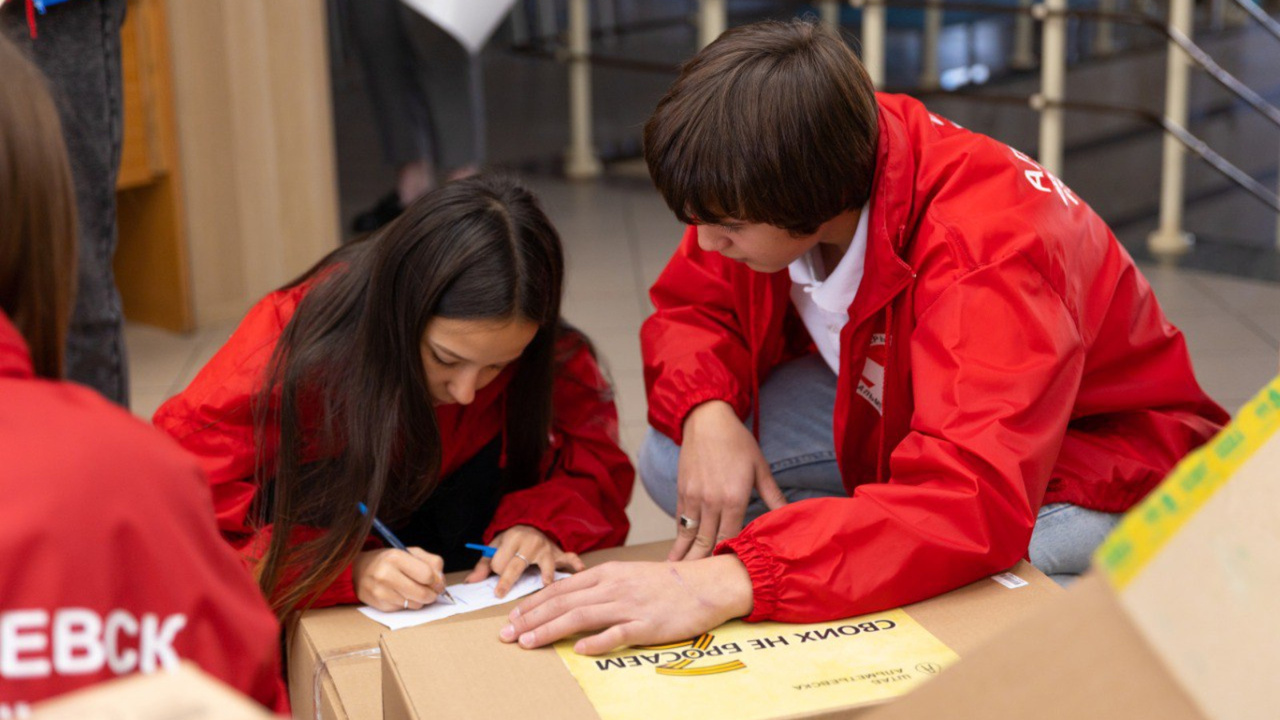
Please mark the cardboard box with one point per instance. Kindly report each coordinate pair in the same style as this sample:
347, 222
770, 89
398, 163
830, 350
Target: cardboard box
334, 654
186, 693
462, 669
333, 665
1178, 618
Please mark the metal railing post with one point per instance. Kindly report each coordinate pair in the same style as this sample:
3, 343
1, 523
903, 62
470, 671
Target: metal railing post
1053, 81
581, 161
712, 20
929, 45
1104, 43
873, 30
1169, 238
1024, 30
829, 10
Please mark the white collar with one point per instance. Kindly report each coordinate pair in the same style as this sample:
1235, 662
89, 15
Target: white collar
834, 292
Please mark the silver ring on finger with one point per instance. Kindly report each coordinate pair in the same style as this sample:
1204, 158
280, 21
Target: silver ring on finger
406, 603
688, 523
525, 559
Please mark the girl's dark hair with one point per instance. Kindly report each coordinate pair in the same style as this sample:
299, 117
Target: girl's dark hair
774, 122
347, 372
37, 213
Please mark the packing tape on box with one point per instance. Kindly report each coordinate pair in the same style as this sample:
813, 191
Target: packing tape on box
1147, 527
322, 671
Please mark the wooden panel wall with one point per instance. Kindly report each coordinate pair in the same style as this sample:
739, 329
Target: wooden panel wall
151, 257
255, 137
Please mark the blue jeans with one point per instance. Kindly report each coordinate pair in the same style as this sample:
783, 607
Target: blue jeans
797, 438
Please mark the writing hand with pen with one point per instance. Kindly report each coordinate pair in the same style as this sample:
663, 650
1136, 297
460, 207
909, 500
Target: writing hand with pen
516, 549
398, 577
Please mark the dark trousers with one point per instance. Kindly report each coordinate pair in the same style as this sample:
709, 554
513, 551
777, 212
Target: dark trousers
458, 512
424, 86
78, 49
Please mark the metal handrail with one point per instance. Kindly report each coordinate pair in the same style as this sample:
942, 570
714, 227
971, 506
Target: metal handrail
1261, 17
1169, 236
1049, 102
1207, 63
1193, 143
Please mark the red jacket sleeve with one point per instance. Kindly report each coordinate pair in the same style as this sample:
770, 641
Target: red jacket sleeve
582, 502
966, 481
693, 346
213, 420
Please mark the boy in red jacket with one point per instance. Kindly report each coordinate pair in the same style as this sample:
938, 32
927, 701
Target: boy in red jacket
944, 360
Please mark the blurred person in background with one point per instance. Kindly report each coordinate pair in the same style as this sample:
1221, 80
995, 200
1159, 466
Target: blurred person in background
427, 102
76, 44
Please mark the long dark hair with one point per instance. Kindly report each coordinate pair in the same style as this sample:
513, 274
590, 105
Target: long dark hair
347, 373
37, 213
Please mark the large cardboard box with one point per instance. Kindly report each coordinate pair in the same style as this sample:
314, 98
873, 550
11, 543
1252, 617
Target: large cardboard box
1177, 620
185, 693
462, 669
334, 654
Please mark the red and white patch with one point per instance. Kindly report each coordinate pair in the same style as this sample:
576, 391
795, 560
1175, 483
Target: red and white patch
871, 382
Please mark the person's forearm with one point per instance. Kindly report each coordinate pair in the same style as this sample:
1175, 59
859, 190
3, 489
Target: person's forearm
731, 575
707, 415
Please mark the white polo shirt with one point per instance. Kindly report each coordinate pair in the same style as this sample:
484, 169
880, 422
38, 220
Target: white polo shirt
823, 298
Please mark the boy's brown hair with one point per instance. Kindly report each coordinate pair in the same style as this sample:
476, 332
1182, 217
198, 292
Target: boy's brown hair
774, 122
37, 213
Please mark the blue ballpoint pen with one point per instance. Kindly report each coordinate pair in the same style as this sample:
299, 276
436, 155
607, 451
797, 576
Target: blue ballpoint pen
485, 550
394, 542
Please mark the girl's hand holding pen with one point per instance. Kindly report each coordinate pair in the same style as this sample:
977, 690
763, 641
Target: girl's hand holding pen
520, 547
389, 579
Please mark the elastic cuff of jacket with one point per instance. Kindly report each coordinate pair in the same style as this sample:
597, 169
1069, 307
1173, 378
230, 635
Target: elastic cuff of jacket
764, 570
692, 401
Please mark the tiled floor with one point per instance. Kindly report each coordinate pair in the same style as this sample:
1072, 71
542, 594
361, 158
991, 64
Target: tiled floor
618, 235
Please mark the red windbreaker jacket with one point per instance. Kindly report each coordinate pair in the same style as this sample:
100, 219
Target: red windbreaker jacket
581, 502
109, 559
1002, 352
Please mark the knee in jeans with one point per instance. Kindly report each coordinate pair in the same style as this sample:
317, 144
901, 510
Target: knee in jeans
658, 465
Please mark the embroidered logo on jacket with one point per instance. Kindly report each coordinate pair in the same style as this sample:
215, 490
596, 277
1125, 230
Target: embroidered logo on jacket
871, 382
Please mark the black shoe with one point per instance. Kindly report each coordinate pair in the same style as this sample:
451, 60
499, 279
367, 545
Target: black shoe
387, 209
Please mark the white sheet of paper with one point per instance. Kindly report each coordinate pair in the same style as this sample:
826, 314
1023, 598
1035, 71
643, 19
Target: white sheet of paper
470, 22
470, 597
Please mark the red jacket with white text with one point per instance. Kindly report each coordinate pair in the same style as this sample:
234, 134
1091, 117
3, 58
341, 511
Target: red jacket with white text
580, 503
110, 562
1002, 352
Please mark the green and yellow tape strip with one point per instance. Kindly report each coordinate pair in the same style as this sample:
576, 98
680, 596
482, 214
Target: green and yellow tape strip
1148, 526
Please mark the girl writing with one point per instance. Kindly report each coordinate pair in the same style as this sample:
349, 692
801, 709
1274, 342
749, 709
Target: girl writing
426, 373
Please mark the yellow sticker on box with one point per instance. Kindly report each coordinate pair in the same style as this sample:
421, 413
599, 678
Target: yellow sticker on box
763, 670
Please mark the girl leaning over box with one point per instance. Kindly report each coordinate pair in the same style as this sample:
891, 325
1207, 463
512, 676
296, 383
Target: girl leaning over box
426, 373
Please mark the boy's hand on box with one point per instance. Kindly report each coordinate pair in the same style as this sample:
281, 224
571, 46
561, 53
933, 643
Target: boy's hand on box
519, 548
720, 464
633, 603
